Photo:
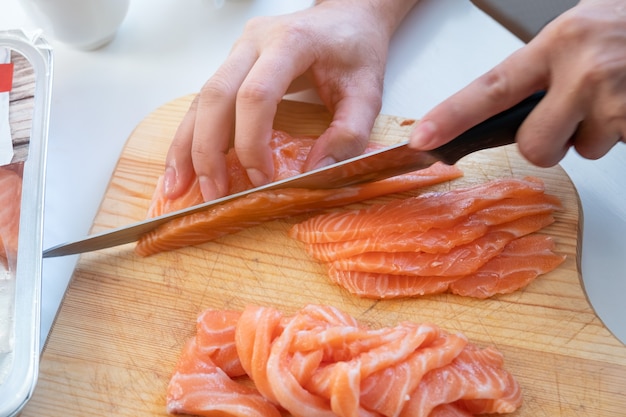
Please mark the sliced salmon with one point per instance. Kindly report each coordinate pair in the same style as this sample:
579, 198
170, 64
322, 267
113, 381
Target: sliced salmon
215, 336
435, 240
520, 262
322, 362
438, 239
474, 378
392, 345
461, 260
449, 410
201, 388
387, 391
255, 333
387, 286
289, 155
288, 391
415, 214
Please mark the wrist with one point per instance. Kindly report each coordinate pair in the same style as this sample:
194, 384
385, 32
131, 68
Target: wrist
390, 13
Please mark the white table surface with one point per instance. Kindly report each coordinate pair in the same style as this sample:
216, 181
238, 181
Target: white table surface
168, 48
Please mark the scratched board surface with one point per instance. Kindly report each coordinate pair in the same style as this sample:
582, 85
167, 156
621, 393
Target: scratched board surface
124, 319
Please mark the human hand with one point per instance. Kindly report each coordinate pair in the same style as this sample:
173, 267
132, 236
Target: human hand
580, 59
341, 45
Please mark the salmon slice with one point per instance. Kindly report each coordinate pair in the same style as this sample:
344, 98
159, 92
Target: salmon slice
474, 378
231, 217
393, 345
255, 333
520, 262
461, 260
436, 240
215, 337
334, 388
386, 286
292, 396
510, 209
10, 204
389, 371
199, 387
388, 390
449, 410
415, 214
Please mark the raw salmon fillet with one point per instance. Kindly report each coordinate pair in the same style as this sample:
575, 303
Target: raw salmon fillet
10, 204
231, 217
468, 241
321, 362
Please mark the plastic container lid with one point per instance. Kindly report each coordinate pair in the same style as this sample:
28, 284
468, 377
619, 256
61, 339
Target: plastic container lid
19, 358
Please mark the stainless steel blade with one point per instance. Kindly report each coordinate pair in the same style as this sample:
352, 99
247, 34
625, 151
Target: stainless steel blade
397, 159
378, 165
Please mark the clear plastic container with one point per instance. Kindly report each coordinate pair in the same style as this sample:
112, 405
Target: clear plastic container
20, 274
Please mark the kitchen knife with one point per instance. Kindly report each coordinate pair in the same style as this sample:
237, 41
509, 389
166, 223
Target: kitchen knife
498, 130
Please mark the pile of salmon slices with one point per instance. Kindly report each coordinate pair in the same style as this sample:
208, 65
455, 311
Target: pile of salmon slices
321, 362
477, 241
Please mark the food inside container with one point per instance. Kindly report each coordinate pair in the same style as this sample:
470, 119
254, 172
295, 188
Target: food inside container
25, 84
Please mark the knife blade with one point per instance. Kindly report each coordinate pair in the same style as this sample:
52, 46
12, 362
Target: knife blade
498, 130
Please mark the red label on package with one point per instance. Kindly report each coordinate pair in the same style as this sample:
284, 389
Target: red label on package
6, 77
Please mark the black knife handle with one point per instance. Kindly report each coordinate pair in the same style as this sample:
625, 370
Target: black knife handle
498, 130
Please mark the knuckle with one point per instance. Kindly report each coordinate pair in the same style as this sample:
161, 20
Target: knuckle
497, 85
254, 92
600, 70
216, 89
573, 26
255, 24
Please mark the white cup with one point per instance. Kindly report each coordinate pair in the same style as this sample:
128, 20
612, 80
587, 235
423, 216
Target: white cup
82, 24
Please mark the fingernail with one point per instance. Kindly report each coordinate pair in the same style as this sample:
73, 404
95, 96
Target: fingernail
423, 135
208, 188
169, 181
257, 177
324, 162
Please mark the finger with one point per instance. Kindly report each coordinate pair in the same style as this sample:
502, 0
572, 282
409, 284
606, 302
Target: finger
256, 105
215, 120
521, 74
178, 164
586, 118
349, 132
603, 127
545, 136
604, 124
593, 143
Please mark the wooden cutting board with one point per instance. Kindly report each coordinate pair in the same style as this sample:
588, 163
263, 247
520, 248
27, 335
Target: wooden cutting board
125, 318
